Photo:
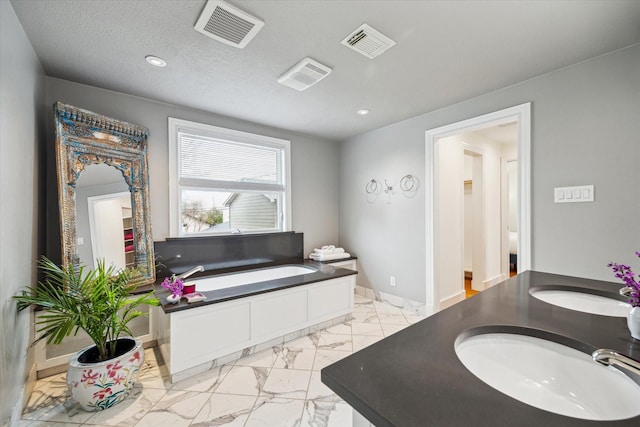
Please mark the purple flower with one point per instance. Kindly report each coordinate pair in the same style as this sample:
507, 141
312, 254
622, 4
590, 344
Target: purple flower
173, 286
628, 277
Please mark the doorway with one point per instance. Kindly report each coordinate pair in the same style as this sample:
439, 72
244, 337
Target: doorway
109, 221
473, 208
444, 245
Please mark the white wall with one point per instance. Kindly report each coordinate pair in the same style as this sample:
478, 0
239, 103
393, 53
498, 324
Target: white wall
21, 86
448, 214
585, 130
314, 162
468, 227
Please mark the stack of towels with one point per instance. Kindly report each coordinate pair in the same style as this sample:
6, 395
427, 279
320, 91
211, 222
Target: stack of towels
329, 253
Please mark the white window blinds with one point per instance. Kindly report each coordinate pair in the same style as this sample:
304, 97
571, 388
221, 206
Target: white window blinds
212, 159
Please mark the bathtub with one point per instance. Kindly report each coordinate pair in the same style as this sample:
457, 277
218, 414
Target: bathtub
249, 277
249, 311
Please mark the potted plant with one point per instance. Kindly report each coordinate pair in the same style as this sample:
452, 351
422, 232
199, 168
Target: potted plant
101, 302
632, 291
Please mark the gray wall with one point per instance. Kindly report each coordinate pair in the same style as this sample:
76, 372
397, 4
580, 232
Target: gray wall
314, 162
22, 89
585, 130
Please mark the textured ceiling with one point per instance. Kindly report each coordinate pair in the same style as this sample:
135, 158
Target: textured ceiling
446, 52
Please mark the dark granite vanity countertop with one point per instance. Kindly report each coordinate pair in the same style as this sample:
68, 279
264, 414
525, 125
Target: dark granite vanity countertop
323, 272
414, 378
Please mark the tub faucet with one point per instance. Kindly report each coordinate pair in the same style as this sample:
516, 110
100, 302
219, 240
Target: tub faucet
610, 357
191, 272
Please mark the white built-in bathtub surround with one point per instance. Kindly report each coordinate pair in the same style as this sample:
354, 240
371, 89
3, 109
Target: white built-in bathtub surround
303, 333
196, 339
419, 308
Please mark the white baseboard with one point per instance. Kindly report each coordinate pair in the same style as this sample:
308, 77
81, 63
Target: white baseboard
494, 280
449, 301
397, 301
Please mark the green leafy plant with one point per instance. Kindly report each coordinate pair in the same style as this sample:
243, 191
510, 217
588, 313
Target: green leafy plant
100, 302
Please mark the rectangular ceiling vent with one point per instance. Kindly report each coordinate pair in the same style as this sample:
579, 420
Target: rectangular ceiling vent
228, 24
304, 74
367, 41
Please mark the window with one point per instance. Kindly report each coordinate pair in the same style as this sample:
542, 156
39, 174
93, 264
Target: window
226, 181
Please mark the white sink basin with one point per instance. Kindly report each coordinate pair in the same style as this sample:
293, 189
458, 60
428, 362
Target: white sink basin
550, 376
584, 302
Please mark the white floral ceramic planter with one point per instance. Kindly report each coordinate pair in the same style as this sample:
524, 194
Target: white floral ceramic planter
633, 322
98, 386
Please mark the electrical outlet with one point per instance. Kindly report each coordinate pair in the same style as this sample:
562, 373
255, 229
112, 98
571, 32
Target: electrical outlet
392, 281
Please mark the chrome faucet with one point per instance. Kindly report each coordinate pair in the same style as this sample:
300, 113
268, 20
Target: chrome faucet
610, 357
191, 272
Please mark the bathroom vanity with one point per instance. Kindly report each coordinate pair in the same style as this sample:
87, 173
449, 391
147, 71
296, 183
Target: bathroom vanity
414, 378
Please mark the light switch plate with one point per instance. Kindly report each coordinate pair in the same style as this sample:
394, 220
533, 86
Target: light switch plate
579, 193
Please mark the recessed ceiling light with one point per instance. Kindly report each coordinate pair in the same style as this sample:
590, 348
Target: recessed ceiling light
363, 112
155, 61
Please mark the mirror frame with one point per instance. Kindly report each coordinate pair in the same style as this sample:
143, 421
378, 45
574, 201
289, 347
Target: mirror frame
84, 138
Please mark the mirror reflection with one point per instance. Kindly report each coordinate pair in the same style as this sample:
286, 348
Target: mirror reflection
104, 226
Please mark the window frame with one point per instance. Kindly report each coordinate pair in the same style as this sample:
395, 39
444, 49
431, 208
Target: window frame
233, 136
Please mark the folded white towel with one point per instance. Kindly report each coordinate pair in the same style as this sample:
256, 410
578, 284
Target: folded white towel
329, 257
328, 251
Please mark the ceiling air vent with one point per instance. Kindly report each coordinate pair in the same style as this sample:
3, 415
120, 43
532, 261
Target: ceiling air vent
304, 74
367, 41
227, 24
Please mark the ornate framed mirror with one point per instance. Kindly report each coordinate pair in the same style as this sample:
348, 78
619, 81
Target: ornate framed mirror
103, 188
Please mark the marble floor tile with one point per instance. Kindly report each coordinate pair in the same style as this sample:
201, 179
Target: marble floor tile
69, 412
276, 387
48, 396
295, 358
369, 316
327, 357
383, 307
177, 408
307, 341
326, 414
414, 318
287, 383
361, 341
206, 382
367, 329
62, 377
329, 341
318, 391
37, 423
392, 318
392, 329
225, 410
274, 411
261, 359
129, 411
363, 307
340, 329
246, 380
